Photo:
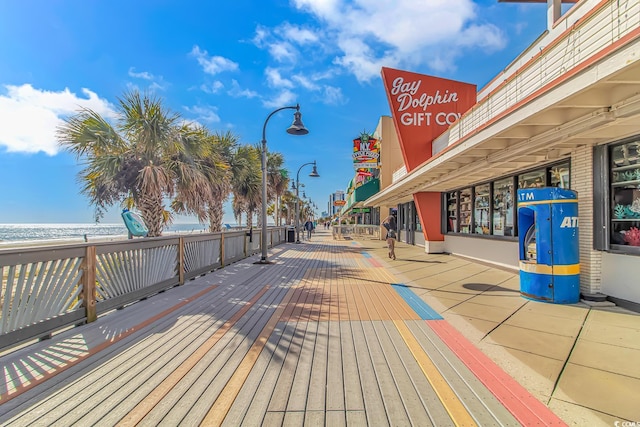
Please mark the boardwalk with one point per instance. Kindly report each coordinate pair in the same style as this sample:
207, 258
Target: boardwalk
323, 336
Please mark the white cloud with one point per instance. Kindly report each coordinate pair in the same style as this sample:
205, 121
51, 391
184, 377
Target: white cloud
296, 34
280, 43
156, 82
372, 34
141, 75
207, 114
333, 96
286, 97
212, 88
305, 82
237, 92
275, 79
212, 64
29, 117
488, 37
283, 51
361, 60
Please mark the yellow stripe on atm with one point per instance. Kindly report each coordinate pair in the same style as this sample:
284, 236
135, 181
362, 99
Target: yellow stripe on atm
556, 270
545, 202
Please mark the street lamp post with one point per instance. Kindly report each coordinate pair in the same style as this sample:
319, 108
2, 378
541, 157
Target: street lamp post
297, 128
313, 174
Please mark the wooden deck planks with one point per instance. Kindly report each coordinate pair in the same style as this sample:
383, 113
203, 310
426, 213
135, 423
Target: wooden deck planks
143, 357
457, 411
251, 405
193, 395
335, 398
224, 401
329, 343
373, 404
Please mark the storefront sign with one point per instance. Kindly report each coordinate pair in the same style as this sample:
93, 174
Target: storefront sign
365, 152
361, 210
423, 107
339, 202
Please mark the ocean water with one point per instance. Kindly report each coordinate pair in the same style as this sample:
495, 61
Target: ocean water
49, 232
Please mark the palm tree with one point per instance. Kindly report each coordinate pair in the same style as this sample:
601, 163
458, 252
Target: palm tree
247, 184
288, 206
221, 166
145, 158
277, 179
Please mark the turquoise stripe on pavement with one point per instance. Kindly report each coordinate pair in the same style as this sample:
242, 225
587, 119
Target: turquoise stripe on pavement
366, 254
415, 302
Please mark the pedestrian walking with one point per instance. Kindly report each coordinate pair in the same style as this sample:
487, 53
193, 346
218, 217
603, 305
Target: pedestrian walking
389, 223
309, 227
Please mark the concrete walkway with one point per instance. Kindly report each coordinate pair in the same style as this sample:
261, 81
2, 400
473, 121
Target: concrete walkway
334, 333
582, 361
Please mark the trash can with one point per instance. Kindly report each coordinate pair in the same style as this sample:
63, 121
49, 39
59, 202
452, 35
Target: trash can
291, 235
549, 245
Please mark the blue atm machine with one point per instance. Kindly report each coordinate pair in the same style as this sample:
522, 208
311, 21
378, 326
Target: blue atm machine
549, 246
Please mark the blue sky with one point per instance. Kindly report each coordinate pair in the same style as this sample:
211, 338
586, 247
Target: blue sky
227, 65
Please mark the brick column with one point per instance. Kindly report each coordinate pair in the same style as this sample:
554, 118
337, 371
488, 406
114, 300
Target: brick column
582, 182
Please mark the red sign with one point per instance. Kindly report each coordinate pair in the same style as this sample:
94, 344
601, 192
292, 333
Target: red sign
423, 107
339, 202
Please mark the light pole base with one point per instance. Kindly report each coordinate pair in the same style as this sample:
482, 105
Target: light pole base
264, 262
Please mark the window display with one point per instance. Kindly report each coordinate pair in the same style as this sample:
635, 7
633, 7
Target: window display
559, 176
503, 207
452, 212
490, 208
465, 210
481, 210
533, 179
625, 193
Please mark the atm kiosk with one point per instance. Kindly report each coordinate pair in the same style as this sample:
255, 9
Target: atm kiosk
549, 245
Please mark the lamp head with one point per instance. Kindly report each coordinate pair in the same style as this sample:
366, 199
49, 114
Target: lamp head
297, 127
314, 172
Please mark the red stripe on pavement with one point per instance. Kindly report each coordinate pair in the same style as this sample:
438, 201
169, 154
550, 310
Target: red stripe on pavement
375, 262
523, 405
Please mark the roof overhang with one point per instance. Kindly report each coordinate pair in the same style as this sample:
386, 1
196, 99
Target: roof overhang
544, 129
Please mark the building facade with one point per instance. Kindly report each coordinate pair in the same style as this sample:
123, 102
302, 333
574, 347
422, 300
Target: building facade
565, 113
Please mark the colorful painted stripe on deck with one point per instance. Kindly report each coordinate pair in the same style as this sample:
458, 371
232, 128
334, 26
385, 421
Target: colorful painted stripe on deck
416, 303
525, 408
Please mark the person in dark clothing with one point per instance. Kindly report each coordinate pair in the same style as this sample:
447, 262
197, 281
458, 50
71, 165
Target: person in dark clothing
392, 233
309, 227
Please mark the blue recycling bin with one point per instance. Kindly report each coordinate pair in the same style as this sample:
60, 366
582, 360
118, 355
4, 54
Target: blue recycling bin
549, 245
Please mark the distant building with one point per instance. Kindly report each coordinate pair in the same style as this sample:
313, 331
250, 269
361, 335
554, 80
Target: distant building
334, 208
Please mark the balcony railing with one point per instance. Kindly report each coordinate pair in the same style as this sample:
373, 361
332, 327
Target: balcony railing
588, 29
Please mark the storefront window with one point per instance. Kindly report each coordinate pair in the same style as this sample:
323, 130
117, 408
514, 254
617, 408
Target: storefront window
625, 194
503, 207
490, 209
465, 210
452, 212
533, 179
559, 176
481, 210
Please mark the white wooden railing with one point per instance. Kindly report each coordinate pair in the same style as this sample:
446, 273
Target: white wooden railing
46, 289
